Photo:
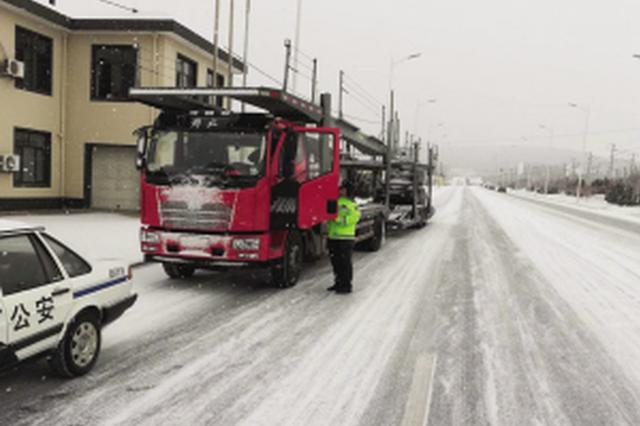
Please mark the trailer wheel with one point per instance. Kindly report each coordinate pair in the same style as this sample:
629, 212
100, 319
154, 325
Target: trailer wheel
374, 243
286, 271
178, 271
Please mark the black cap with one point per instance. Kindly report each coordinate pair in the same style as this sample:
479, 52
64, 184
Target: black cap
348, 186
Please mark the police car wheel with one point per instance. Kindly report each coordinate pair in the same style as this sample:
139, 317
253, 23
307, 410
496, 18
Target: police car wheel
178, 271
78, 352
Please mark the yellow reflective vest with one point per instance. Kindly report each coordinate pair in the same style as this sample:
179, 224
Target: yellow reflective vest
343, 227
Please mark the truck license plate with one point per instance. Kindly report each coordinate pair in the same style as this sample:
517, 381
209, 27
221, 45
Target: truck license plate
194, 242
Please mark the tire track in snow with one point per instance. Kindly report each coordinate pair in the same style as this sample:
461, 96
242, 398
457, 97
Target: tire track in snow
594, 268
546, 364
214, 361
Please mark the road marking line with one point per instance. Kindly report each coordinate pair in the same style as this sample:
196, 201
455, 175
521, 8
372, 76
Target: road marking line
419, 401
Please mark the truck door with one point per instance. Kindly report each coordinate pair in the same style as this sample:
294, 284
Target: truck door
318, 194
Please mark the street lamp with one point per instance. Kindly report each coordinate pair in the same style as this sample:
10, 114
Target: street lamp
398, 62
548, 174
391, 127
587, 112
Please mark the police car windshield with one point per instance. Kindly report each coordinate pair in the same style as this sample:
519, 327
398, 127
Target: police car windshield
230, 154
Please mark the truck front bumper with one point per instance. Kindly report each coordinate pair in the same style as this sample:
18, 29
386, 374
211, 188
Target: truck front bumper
209, 249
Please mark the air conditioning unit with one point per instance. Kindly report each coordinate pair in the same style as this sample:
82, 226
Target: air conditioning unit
10, 163
12, 68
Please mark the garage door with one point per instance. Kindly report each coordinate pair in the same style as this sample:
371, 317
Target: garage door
114, 178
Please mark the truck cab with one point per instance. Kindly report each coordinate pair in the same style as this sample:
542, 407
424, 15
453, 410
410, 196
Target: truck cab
230, 190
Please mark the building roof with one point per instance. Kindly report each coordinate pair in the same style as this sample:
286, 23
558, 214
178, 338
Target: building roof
147, 25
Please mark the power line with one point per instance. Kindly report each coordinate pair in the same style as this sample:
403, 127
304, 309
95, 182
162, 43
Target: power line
363, 101
306, 55
119, 6
364, 91
363, 120
265, 74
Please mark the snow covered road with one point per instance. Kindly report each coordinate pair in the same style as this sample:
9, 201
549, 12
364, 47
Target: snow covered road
501, 311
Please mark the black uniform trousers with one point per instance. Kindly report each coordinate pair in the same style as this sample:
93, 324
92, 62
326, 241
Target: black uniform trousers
340, 252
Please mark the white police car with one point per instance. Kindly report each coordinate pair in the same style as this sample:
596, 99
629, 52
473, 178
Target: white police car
53, 302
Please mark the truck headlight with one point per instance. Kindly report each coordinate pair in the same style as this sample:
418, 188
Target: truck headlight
246, 244
150, 237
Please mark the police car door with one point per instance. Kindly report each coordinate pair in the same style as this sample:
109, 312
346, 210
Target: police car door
35, 313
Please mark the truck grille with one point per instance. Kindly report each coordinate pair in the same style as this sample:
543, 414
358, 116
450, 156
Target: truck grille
210, 216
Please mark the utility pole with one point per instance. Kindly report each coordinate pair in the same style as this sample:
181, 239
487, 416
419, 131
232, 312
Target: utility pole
245, 54
587, 111
231, 16
415, 180
612, 161
314, 81
587, 175
382, 135
390, 133
398, 132
296, 45
216, 32
287, 64
340, 95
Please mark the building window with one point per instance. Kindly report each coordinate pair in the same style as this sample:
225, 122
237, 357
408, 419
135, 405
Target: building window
36, 51
34, 149
113, 71
186, 72
219, 83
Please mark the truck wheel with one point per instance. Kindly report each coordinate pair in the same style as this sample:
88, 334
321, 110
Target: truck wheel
286, 271
374, 243
78, 351
175, 271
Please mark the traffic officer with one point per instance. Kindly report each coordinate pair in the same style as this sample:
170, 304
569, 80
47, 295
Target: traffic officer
342, 232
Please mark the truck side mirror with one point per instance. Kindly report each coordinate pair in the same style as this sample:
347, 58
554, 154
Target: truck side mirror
141, 148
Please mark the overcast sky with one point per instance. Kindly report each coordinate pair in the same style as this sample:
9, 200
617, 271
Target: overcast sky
498, 68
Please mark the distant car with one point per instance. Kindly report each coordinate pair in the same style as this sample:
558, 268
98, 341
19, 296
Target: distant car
502, 189
53, 302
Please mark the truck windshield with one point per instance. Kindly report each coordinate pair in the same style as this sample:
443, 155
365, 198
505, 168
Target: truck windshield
230, 155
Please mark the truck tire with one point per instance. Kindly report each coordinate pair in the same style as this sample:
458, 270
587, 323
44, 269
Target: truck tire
374, 243
286, 271
78, 351
176, 271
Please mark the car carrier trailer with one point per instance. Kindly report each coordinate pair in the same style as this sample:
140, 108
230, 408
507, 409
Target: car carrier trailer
224, 189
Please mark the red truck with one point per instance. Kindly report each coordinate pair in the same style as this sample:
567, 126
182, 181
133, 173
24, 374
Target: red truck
222, 189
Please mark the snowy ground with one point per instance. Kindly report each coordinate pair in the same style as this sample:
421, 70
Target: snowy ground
94, 235
595, 204
502, 311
